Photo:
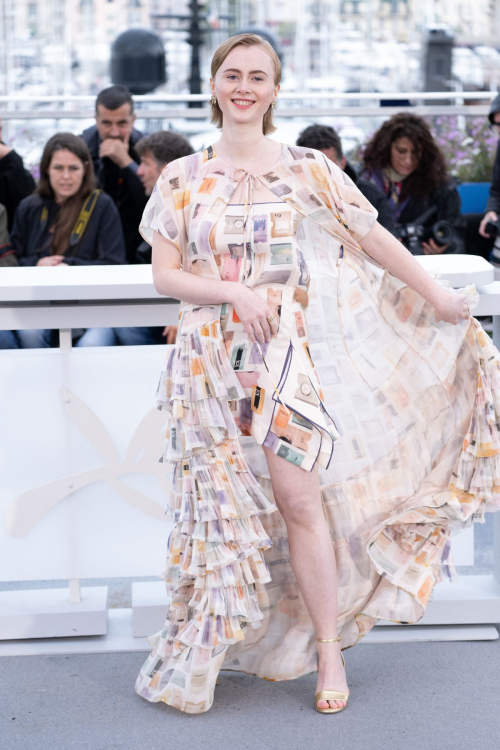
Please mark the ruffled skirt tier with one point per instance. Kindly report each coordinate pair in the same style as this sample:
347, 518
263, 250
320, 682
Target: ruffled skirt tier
216, 568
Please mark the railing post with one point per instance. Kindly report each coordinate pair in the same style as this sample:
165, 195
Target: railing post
75, 595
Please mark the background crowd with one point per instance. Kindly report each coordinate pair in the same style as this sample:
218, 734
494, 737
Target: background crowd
87, 205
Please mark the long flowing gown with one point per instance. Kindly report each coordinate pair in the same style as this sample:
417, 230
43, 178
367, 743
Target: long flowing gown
410, 407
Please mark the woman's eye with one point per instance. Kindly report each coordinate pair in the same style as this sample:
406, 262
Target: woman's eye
231, 76
257, 78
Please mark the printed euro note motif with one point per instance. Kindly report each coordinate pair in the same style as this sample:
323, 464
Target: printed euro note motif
141, 457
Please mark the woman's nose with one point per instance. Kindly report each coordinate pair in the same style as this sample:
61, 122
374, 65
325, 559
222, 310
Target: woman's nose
244, 86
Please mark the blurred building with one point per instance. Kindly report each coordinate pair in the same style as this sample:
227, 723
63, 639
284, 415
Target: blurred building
63, 46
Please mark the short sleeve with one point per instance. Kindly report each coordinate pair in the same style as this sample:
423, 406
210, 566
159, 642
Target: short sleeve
164, 211
354, 209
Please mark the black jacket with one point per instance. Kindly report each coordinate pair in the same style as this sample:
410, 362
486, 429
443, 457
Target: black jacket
7, 255
375, 196
448, 205
16, 183
123, 186
493, 203
102, 242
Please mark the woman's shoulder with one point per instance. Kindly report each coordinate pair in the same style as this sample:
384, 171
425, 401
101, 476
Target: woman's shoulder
31, 205
104, 202
33, 201
104, 208
304, 152
299, 153
183, 165
309, 156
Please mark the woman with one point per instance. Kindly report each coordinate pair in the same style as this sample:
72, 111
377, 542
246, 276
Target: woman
236, 231
66, 222
404, 161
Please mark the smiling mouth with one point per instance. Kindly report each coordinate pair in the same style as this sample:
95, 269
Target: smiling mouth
243, 103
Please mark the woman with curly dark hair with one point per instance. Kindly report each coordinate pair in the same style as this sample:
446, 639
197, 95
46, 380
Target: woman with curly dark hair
404, 161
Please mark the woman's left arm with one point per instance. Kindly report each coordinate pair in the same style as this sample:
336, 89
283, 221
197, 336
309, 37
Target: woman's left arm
392, 255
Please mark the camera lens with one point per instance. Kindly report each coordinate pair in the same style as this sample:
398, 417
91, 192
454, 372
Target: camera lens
442, 232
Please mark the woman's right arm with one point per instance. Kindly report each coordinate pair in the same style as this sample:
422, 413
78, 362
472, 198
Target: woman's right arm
171, 281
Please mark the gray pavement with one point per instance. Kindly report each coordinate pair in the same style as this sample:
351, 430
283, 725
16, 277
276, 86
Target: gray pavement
423, 696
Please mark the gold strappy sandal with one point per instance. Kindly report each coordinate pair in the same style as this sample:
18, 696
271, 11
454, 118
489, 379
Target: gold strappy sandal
331, 695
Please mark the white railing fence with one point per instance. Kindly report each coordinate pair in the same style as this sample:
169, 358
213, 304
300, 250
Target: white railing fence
83, 494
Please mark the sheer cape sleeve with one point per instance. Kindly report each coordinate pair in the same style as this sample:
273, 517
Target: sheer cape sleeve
352, 208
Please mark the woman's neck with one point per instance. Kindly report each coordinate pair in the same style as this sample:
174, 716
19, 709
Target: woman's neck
247, 147
393, 175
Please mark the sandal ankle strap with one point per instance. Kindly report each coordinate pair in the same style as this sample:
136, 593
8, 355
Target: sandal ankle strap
328, 640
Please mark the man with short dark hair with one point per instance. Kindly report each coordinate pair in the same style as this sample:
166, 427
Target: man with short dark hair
326, 139
111, 143
155, 151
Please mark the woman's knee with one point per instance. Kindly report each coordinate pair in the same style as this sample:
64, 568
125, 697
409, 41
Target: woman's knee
301, 509
97, 337
34, 338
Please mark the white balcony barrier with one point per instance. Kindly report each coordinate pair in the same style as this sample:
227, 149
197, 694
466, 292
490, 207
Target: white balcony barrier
82, 492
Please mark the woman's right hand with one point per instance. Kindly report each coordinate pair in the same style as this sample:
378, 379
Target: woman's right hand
51, 260
253, 311
490, 216
451, 307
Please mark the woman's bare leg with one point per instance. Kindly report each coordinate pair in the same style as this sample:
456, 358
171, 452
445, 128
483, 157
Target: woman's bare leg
312, 556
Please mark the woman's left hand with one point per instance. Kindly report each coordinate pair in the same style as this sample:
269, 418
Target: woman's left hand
451, 308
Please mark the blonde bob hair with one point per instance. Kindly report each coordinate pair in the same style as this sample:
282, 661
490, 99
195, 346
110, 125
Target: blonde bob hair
244, 40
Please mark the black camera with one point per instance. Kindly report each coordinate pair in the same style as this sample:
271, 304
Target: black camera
412, 235
492, 228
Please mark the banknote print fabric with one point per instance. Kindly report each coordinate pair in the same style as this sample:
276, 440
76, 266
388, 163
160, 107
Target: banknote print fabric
415, 403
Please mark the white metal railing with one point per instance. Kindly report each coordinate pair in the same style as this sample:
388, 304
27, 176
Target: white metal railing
83, 494
284, 95
166, 106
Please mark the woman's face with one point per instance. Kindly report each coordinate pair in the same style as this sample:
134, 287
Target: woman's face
404, 157
244, 85
66, 172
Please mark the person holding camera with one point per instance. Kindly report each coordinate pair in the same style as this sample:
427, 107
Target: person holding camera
489, 226
403, 160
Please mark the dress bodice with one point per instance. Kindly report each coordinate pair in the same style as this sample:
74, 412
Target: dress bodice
261, 246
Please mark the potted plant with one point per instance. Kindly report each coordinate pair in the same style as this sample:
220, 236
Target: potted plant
469, 146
